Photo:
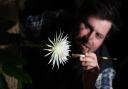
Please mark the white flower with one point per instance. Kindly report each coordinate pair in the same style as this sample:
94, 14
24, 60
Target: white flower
59, 49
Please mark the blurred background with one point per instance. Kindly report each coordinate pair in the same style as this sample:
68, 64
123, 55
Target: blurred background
24, 21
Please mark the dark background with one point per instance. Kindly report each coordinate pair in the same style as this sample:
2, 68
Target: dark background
117, 44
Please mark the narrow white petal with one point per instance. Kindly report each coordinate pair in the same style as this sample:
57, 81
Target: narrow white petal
48, 54
51, 41
49, 45
48, 49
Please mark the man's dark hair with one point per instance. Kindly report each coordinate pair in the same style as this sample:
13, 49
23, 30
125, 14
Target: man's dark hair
103, 9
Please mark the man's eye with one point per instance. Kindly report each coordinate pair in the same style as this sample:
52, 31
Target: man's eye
99, 36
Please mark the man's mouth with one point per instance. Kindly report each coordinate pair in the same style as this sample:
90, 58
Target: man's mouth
85, 47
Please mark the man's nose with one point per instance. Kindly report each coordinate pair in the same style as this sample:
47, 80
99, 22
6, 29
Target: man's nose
87, 37
90, 36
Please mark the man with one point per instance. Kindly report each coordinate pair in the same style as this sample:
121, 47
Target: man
96, 20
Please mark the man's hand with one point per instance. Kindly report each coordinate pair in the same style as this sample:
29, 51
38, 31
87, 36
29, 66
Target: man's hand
89, 61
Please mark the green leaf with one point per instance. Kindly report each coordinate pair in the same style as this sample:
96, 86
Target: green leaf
20, 85
18, 73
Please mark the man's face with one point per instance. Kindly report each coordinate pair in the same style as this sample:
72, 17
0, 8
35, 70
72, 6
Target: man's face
92, 34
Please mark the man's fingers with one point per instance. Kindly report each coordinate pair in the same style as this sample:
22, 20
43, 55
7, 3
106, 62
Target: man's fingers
88, 64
